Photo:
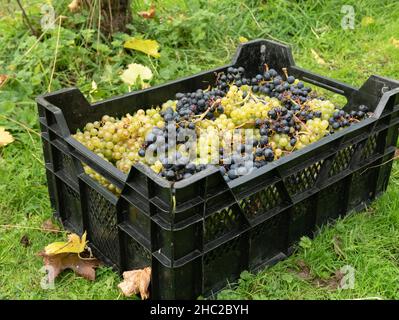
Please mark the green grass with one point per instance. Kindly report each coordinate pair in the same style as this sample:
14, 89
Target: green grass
197, 38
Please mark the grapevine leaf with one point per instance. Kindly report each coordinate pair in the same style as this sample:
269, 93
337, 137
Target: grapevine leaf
149, 47
134, 72
74, 245
5, 137
136, 281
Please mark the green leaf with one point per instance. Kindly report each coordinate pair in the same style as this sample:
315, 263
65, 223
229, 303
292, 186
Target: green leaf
245, 275
305, 242
287, 278
6, 107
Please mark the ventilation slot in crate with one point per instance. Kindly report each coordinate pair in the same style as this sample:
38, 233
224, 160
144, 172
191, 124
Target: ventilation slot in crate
267, 240
303, 218
221, 223
102, 221
341, 161
331, 202
304, 179
63, 163
261, 202
137, 256
225, 263
70, 208
370, 147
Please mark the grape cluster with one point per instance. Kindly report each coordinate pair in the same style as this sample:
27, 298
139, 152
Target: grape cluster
239, 125
195, 103
270, 83
118, 140
169, 150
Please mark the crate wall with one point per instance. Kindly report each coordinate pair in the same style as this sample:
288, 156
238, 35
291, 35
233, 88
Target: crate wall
202, 233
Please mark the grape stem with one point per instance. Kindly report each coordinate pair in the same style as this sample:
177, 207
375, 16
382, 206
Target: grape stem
285, 72
244, 123
206, 111
304, 125
256, 99
243, 101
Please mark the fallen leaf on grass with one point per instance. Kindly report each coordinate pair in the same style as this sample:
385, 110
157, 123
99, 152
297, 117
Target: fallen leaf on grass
149, 47
74, 6
25, 241
242, 39
304, 273
148, 14
131, 75
84, 267
74, 245
395, 42
49, 226
317, 57
5, 137
304, 270
136, 281
366, 21
3, 78
331, 283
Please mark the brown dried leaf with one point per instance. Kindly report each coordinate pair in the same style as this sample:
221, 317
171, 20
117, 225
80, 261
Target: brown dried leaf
25, 241
3, 78
332, 283
304, 270
74, 6
148, 14
49, 226
136, 281
317, 57
84, 267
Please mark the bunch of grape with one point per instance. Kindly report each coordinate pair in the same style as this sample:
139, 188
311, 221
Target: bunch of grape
118, 140
240, 125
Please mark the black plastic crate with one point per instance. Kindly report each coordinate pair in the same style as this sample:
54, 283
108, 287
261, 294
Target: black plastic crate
201, 233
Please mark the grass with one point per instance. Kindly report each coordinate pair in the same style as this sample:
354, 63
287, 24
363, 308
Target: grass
197, 38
